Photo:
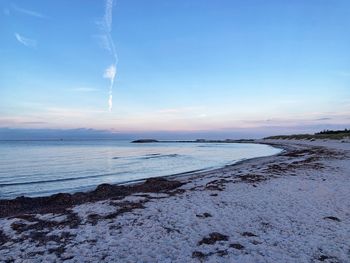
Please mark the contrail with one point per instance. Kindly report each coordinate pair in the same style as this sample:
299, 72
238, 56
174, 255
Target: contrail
110, 72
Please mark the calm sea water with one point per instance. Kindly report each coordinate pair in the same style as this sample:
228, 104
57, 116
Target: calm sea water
36, 168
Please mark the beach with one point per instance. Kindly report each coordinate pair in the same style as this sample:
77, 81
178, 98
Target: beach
290, 207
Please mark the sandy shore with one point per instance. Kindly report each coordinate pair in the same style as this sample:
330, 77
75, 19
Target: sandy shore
292, 207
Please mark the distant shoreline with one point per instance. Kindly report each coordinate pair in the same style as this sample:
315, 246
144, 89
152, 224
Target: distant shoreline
130, 140
194, 141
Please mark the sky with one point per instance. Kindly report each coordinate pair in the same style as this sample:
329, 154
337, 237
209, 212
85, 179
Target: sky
224, 68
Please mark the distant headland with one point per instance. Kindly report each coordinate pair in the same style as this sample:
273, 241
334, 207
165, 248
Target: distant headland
195, 141
145, 141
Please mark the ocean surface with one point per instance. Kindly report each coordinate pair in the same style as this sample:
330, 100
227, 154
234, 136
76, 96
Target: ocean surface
38, 168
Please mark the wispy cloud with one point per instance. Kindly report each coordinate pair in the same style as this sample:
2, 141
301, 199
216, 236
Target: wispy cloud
28, 12
110, 73
191, 110
198, 113
69, 112
34, 122
28, 42
103, 42
108, 44
15, 121
109, 15
323, 119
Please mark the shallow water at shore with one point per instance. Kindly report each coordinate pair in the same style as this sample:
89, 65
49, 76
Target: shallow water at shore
36, 168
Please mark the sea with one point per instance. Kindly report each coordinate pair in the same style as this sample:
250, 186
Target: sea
40, 168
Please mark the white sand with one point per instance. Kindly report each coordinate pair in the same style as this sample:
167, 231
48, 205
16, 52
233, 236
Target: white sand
300, 213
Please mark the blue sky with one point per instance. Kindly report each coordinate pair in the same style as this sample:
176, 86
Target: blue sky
181, 66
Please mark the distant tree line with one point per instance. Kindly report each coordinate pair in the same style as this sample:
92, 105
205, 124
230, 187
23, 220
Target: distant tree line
325, 134
333, 132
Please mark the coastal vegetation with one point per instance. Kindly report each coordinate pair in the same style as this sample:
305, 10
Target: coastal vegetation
325, 134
